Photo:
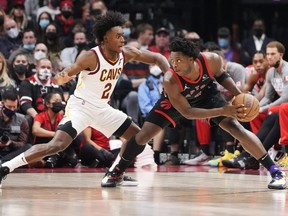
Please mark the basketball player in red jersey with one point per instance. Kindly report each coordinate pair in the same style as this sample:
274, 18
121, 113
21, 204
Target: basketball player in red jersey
100, 69
191, 84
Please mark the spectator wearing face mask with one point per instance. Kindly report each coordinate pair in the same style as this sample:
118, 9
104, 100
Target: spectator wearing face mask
65, 19
256, 42
31, 91
127, 30
52, 8
51, 40
28, 45
14, 127
13, 34
20, 69
68, 55
5, 45
44, 20
68, 39
40, 52
44, 127
230, 49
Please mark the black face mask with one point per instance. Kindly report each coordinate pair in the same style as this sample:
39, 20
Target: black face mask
54, 3
57, 107
66, 14
20, 69
258, 32
81, 46
95, 12
9, 113
51, 36
1, 20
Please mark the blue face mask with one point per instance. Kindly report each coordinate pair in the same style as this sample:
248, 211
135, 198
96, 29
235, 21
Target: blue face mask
29, 46
44, 23
223, 42
127, 32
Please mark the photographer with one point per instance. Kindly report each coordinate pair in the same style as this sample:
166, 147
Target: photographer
14, 128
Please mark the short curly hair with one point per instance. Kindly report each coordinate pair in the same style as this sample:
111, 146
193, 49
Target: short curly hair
185, 46
105, 22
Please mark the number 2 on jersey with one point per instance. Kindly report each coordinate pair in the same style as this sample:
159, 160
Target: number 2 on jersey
106, 92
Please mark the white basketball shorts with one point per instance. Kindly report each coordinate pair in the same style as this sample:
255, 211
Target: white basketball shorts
82, 114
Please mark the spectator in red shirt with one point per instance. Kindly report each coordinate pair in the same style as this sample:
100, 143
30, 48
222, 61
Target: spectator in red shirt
162, 40
44, 127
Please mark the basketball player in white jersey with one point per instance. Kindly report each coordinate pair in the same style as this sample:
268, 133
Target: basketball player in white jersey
100, 69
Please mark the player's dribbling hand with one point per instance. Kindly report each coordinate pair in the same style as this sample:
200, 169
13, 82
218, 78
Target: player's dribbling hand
235, 111
63, 77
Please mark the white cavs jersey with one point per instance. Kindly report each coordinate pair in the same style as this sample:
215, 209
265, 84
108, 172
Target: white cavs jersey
96, 86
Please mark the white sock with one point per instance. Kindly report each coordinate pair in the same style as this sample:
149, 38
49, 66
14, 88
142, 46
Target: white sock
15, 162
115, 163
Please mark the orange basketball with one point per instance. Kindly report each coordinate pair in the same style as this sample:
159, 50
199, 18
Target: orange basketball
251, 104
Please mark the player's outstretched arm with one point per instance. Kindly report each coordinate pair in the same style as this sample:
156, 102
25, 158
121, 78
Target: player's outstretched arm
86, 60
145, 56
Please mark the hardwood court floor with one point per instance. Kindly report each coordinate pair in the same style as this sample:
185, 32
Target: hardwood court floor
178, 190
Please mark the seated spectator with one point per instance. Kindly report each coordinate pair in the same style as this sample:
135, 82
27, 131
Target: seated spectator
65, 19
44, 127
40, 52
5, 45
256, 78
43, 21
194, 37
13, 35
5, 80
96, 8
230, 48
33, 90
51, 40
18, 14
67, 40
14, 129
161, 42
28, 45
19, 69
95, 149
69, 54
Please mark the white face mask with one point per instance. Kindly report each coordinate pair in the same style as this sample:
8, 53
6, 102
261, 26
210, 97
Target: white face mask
39, 55
13, 32
44, 74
